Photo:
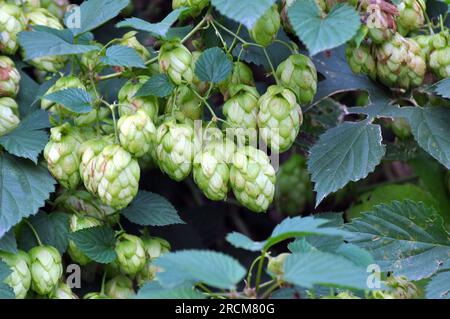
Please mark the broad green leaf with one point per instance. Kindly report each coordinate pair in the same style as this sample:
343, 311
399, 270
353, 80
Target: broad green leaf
443, 88
53, 230
149, 209
37, 44
347, 152
94, 13
76, 100
158, 85
407, 238
8, 242
119, 55
160, 29
245, 12
357, 255
27, 93
6, 291
29, 138
319, 32
211, 268
24, 187
153, 290
97, 243
439, 286
320, 268
213, 66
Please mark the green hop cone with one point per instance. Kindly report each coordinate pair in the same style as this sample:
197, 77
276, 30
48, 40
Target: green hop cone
400, 63
130, 254
43, 17
9, 115
175, 148
46, 269
129, 104
299, 74
155, 247
91, 60
187, 102
57, 7
275, 265
120, 287
241, 74
401, 128
78, 223
130, 40
175, 60
266, 28
9, 78
411, 16
361, 60
62, 291
279, 118
424, 41
241, 110
20, 278
67, 82
62, 155
27, 4
195, 6
89, 120
293, 188
439, 59
12, 22
96, 295
148, 273
399, 287
380, 20
252, 178
136, 133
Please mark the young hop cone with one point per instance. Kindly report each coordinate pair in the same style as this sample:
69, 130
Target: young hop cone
400, 63
136, 133
299, 74
20, 278
440, 55
175, 148
360, 59
46, 269
62, 291
9, 78
77, 223
9, 115
411, 16
129, 104
148, 273
252, 178
175, 60
130, 40
12, 22
279, 118
187, 102
275, 265
130, 254
195, 7
266, 28
241, 74
63, 156
155, 247
120, 287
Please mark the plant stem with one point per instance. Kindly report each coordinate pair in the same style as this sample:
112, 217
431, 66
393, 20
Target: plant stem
271, 66
215, 117
209, 292
102, 289
250, 271
33, 230
234, 43
260, 267
270, 290
224, 44
116, 135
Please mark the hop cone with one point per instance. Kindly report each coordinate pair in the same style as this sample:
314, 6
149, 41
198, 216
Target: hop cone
361, 60
279, 118
299, 74
56, 7
148, 273
130, 40
26, 3
195, 6
400, 63
293, 189
90, 119
62, 155
62, 291
424, 41
380, 20
129, 104
78, 223
399, 288
175, 60
186, 102
46, 269
130, 254
12, 22
401, 128
242, 108
440, 55
119, 287
136, 133
67, 82
9, 78
175, 148
241, 74
411, 16
275, 264
20, 278
155, 247
91, 60
266, 28
252, 178
43, 17
9, 115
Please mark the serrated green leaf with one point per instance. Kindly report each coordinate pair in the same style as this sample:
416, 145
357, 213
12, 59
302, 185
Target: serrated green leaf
245, 12
357, 255
8, 242
98, 243
27, 93
443, 88
28, 139
153, 290
406, 237
119, 55
158, 85
319, 268
24, 187
160, 28
53, 230
149, 209
211, 268
318, 32
94, 13
213, 66
76, 100
347, 152
439, 286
